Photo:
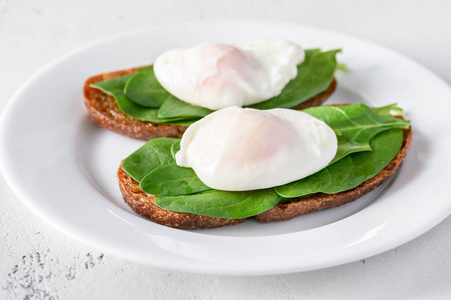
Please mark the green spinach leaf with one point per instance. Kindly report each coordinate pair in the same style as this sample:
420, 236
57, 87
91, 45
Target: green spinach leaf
345, 147
389, 110
175, 108
153, 154
175, 147
222, 204
172, 180
115, 88
314, 76
350, 171
144, 89
357, 124
145, 69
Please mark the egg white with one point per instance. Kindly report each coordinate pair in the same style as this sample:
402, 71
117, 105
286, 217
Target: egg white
216, 76
239, 149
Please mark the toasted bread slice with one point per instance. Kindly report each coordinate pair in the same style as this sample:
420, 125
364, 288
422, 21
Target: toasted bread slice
144, 204
104, 111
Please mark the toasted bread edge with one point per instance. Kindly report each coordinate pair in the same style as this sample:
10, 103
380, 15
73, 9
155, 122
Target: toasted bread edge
144, 205
104, 111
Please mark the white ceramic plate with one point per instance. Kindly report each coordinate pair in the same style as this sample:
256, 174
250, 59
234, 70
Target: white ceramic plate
62, 166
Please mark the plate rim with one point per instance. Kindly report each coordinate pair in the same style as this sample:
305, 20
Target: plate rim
12, 183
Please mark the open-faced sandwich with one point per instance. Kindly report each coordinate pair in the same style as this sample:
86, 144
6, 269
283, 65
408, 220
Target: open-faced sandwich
185, 85
272, 165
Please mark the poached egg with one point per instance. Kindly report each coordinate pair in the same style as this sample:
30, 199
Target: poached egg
239, 149
216, 76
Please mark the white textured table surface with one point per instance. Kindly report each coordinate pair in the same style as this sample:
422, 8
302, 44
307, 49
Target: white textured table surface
39, 262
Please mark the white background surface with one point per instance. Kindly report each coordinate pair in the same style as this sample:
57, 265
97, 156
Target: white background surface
39, 262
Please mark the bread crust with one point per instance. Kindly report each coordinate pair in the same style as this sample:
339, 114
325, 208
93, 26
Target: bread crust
104, 111
144, 204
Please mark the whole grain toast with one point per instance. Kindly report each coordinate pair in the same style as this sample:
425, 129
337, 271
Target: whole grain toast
144, 204
104, 111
